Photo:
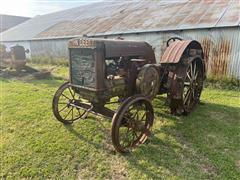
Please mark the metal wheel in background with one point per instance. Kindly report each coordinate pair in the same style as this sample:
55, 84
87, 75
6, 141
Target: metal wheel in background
131, 123
63, 105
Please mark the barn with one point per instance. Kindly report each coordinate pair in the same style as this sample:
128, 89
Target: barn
214, 23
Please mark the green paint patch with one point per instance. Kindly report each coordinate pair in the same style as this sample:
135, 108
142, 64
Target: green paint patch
33, 144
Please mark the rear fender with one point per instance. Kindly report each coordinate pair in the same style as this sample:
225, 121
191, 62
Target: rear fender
175, 50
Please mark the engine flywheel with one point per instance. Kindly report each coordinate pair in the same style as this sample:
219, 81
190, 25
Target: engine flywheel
147, 82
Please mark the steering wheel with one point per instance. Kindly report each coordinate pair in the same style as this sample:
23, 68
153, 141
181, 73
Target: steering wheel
173, 39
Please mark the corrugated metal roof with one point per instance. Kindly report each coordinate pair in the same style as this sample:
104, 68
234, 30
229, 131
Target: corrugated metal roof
8, 21
122, 17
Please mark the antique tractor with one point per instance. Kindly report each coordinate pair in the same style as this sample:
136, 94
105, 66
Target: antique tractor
15, 59
104, 71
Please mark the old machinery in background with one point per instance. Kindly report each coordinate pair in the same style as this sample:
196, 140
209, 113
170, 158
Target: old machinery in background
15, 58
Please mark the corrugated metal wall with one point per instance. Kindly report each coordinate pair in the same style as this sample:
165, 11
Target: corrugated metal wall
221, 47
53, 48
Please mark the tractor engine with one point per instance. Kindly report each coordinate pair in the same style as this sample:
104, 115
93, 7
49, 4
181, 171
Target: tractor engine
128, 76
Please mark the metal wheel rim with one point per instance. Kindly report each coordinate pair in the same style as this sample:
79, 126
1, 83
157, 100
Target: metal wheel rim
192, 86
62, 105
131, 126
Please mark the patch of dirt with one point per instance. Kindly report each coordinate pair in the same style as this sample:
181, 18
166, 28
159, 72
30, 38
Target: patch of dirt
118, 168
25, 74
209, 169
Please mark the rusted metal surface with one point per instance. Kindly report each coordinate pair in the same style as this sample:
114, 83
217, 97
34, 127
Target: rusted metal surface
15, 58
206, 49
121, 17
186, 84
174, 52
221, 50
18, 52
107, 68
127, 71
117, 48
138, 114
219, 64
117, 56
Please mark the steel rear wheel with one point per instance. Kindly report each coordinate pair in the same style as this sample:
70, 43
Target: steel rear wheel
192, 86
131, 123
186, 88
63, 105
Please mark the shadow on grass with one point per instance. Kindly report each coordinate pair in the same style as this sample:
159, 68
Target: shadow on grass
183, 148
185, 144
105, 145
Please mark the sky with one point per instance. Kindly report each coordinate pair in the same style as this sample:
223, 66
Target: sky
31, 8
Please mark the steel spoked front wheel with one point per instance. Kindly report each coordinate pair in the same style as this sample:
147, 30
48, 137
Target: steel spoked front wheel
131, 123
65, 103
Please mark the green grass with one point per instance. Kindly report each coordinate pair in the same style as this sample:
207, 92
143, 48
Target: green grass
230, 83
62, 61
203, 145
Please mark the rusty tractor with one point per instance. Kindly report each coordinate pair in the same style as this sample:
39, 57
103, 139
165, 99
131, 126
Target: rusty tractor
15, 59
104, 72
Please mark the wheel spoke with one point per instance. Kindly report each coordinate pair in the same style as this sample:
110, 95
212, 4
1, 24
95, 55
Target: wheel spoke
191, 71
65, 96
72, 113
185, 90
68, 113
196, 75
62, 108
144, 115
126, 141
79, 113
131, 108
186, 97
62, 103
135, 114
194, 69
71, 92
135, 134
188, 75
126, 134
